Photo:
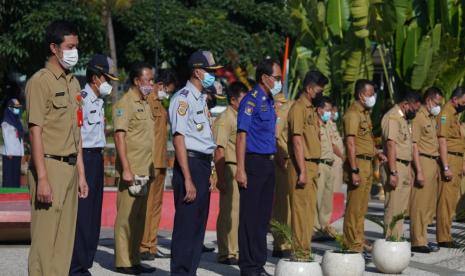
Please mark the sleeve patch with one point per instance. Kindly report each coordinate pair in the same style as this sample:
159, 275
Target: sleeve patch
182, 108
83, 94
119, 112
248, 110
443, 119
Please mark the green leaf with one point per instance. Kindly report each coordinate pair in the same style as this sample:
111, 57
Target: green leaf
337, 17
422, 63
359, 12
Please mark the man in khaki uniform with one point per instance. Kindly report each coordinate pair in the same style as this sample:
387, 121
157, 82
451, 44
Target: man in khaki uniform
281, 208
397, 142
325, 172
57, 171
423, 199
304, 142
451, 148
224, 134
165, 83
360, 154
133, 124
339, 151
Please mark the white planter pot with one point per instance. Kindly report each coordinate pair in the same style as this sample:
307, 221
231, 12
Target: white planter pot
391, 257
347, 264
288, 268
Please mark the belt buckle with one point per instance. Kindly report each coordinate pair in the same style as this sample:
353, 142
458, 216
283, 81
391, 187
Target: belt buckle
271, 156
72, 160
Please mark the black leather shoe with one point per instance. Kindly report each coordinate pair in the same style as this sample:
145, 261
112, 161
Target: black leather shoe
144, 269
161, 255
433, 247
207, 249
229, 261
448, 244
147, 256
421, 249
128, 270
281, 254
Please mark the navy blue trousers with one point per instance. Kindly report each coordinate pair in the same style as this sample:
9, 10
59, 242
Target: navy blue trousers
255, 214
11, 171
89, 215
190, 219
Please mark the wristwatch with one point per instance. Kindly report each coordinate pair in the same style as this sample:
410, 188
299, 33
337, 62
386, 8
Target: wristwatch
394, 173
355, 171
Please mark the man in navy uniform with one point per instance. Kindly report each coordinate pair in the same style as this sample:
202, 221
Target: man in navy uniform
194, 146
255, 148
93, 141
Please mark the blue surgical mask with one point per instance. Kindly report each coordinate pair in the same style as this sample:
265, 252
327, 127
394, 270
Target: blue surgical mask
326, 116
336, 116
276, 88
15, 110
208, 80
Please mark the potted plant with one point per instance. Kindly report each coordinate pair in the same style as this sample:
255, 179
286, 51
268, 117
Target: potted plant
299, 263
342, 261
392, 254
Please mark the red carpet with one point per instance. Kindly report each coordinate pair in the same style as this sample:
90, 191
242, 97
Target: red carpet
15, 212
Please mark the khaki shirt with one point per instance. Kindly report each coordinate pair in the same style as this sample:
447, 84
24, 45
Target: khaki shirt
357, 123
303, 121
132, 115
160, 120
51, 103
449, 128
327, 152
336, 137
424, 132
282, 135
396, 128
224, 133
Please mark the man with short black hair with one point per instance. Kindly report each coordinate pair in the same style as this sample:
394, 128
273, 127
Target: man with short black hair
56, 176
397, 142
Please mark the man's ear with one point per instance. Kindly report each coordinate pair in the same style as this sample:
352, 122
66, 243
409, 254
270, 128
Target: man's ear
53, 48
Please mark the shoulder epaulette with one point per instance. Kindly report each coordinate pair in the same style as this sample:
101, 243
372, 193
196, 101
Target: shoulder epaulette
83, 94
184, 92
254, 93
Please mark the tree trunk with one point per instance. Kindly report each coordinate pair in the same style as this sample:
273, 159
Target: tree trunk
112, 45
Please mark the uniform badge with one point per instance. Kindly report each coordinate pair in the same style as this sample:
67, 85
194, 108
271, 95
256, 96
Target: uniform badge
248, 110
182, 108
254, 94
251, 103
443, 119
83, 94
199, 127
119, 112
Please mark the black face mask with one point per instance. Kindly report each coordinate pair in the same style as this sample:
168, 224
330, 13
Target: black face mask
409, 115
460, 108
317, 99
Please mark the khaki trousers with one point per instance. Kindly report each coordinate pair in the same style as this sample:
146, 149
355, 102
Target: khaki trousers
53, 226
129, 226
397, 200
423, 202
460, 210
324, 197
303, 206
448, 198
337, 174
281, 206
227, 224
153, 213
356, 207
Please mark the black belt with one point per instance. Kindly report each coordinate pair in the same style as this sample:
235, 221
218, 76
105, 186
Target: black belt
364, 157
263, 156
460, 154
430, 156
93, 150
199, 155
327, 162
405, 162
70, 159
230, 163
314, 160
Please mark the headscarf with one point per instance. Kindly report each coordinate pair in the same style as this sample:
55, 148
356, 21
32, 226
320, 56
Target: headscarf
13, 119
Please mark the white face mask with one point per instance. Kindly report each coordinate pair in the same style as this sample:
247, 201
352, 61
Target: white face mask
370, 101
435, 110
162, 95
105, 89
70, 58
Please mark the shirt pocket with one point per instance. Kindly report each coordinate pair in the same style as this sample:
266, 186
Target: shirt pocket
364, 128
60, 102
93, 117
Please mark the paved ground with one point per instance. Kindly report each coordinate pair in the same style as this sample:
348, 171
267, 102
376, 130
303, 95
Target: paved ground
445, 262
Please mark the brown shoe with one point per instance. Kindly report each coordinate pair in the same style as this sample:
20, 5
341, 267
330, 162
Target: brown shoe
367, 246
331, 231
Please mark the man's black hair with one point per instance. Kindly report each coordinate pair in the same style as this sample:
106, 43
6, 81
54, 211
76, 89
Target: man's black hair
235, 89
360, 86
321, 102
431, 92
136, 71
166, 76
315, 77
265, 67
91, 72
57, 30
458, 92
411, 97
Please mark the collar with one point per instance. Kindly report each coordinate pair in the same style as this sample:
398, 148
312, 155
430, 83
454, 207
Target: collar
232, 109
398, 110
359, 106
304, 99
449, 107
135, 95
195, 92
425, 112
90, 93
56, 70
